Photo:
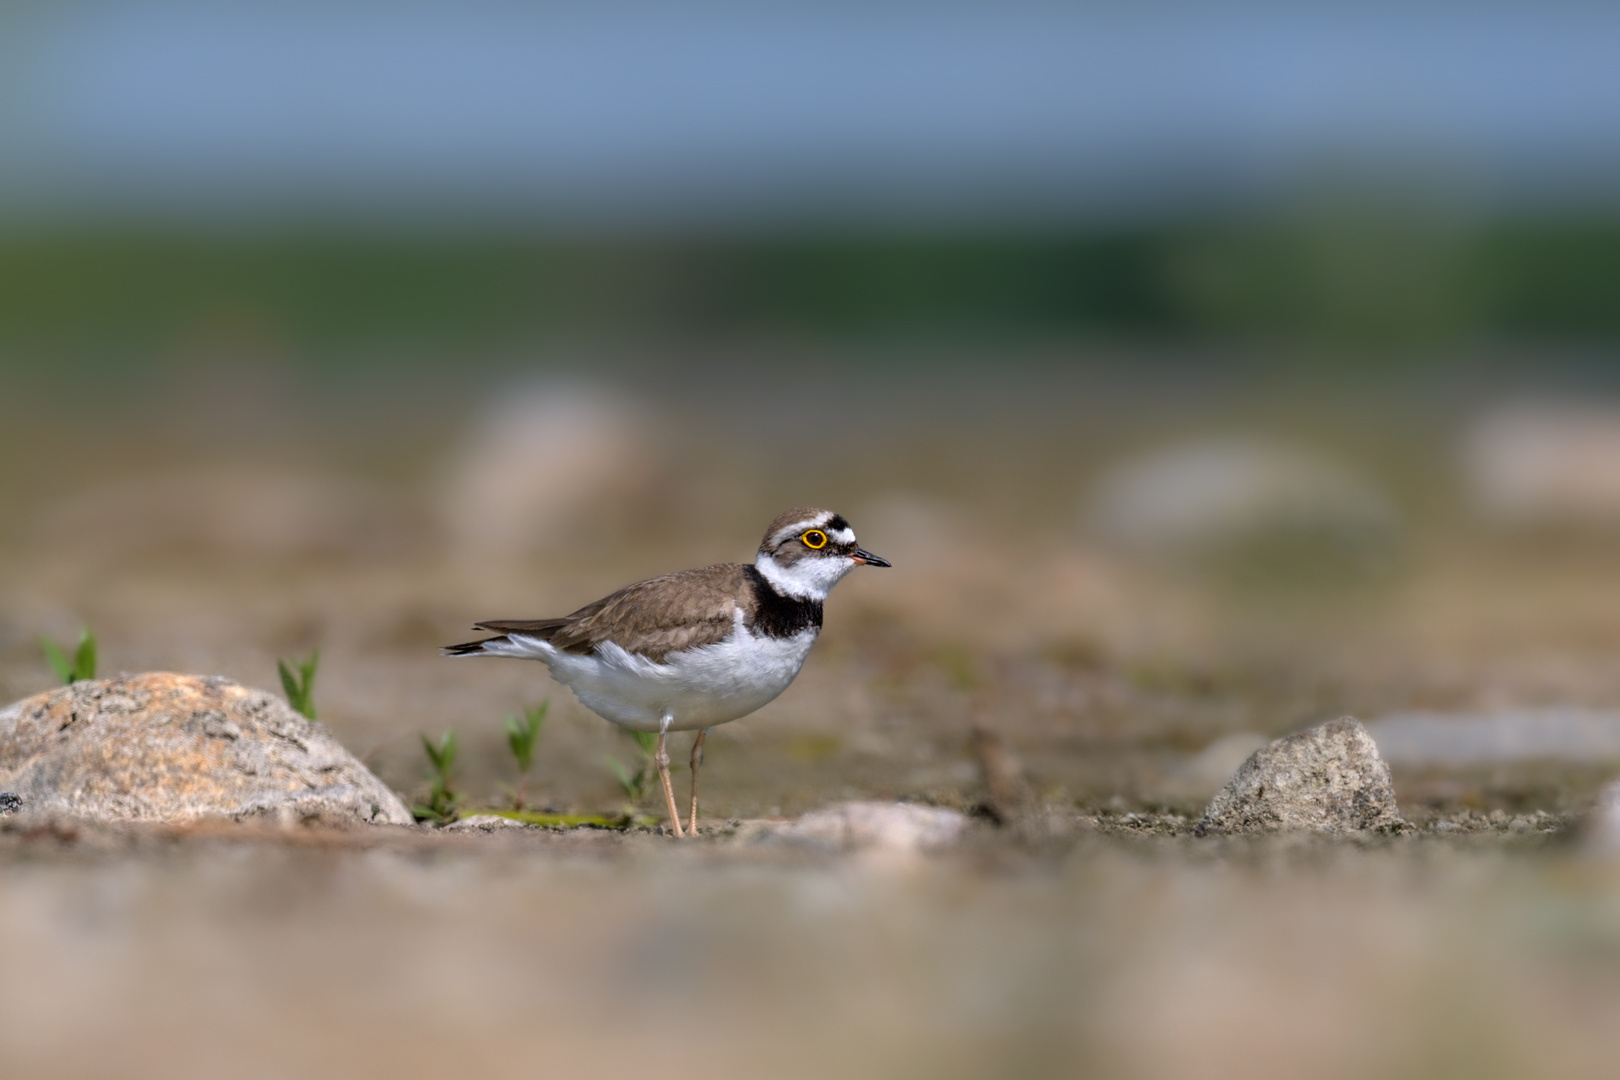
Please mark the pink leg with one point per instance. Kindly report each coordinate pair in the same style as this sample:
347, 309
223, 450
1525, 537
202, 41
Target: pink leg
661, 759
697, 760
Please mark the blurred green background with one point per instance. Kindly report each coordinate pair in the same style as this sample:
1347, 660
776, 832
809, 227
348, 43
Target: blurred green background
1349, 186
1360, 282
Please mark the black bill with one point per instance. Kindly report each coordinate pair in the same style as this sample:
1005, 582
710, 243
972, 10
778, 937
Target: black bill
863, 556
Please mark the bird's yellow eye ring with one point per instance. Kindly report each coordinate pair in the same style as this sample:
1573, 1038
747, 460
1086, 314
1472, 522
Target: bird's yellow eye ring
815, 538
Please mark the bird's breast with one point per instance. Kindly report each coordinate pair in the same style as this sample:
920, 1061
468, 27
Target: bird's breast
745, 664
697, 688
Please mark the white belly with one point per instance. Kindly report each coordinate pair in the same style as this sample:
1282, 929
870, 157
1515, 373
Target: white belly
697, 688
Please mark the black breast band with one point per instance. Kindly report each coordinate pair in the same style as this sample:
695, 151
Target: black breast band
781, 616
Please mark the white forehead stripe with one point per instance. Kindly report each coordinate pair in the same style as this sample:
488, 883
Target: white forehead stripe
843, 536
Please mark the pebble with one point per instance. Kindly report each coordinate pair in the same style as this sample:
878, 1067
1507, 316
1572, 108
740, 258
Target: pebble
900, 828
1326, 779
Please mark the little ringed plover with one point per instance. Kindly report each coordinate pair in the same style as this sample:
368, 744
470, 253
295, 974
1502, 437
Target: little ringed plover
693, 649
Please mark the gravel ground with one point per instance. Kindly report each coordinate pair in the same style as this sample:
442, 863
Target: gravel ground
1115, 946
1094, 936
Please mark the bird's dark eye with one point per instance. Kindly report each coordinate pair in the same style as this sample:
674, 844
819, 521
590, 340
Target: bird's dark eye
815, 538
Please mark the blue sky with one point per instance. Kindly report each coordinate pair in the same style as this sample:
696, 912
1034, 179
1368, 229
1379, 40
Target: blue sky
611, 112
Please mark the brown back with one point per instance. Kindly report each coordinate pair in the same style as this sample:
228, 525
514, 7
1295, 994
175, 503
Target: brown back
652, 618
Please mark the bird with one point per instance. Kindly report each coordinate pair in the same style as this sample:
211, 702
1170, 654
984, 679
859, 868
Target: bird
696, 648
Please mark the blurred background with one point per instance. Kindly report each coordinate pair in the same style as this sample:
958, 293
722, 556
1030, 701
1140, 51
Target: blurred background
1206, 371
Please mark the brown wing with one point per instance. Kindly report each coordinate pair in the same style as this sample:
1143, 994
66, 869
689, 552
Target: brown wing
537, 627
652, 618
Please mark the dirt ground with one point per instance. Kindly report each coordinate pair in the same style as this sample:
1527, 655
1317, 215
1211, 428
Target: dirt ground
216, 528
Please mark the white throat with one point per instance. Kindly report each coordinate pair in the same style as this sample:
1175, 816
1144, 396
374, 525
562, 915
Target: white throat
807, 579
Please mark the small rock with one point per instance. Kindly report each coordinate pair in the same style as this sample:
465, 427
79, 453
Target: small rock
1328, 779
9, 803
160, 747
485, 823
892, 827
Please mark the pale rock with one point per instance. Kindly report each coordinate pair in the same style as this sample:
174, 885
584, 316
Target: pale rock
1326, 779
899, 828
160, 747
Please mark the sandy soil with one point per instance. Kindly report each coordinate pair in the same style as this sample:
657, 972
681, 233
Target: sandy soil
1092, 951
207, 536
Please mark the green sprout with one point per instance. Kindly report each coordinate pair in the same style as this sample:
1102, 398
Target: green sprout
521, 735
442, 797
635, 784
83, 665
300, 684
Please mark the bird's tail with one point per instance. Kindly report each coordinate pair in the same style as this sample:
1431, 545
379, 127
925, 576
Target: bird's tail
523, 638
474, 648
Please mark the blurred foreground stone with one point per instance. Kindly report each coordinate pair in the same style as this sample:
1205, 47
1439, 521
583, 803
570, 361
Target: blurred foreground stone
898, 828
160, 747
9, 803
1326, 779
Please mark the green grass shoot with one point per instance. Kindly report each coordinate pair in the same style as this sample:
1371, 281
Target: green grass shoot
300, 684
521, 736
81, 668
635, 783
442, 796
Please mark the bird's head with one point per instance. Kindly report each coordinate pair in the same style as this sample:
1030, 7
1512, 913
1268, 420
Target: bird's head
806, 551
